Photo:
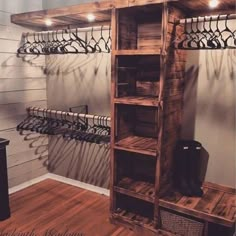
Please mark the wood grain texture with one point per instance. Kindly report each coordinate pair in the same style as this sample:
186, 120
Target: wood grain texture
139, 189
30, 210
138, 144
135, 100
146, 2
64, 16
138, 52
192, 7
216, 206
114, 75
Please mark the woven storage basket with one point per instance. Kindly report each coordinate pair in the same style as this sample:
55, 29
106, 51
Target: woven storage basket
180, 225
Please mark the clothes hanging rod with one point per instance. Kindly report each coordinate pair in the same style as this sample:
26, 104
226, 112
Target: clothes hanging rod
87, 29
67, 114
206, 18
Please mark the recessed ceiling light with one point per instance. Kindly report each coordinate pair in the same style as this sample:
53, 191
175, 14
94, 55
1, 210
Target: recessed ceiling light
48, 22
213, 3
91, 17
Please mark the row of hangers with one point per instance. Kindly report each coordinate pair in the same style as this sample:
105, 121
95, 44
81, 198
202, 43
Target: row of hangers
70, 125
66, 41
206, 34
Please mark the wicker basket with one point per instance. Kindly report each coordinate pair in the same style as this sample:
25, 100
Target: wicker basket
180, 225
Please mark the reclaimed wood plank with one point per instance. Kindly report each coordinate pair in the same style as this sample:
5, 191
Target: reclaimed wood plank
135, 100
133, 219
138, 144
114, 125
138, 189
137, 52
209, 201
145, 2
219, 187
226, 208
190, 202
212, 207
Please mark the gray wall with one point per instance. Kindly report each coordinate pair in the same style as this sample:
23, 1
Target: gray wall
209, 113
75, 80
22, 84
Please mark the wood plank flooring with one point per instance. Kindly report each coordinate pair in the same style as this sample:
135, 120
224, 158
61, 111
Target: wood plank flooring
50, 208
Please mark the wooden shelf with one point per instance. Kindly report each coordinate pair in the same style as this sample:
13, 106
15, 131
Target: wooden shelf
137, 144
133, 218
77, 14
137, 100
217, 205
138, 189
137, 52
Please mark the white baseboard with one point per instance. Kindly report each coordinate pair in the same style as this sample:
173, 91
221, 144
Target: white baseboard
28, 184
63, 180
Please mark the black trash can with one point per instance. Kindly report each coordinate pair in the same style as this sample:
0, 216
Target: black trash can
4, 196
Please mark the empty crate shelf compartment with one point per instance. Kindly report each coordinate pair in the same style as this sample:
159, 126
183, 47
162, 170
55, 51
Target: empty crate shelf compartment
140, 28
135, 211
138, 80
135, 175
137, 129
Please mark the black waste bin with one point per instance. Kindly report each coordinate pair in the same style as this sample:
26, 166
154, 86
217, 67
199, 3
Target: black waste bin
4, 196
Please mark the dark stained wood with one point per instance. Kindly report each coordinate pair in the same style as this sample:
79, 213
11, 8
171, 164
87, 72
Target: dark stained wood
146, 88
54, 205
132, 218
127, 36
137, 228
171, 94
36, 18
138, 144
194, 7
149, 36
190, 202
226, 207
113, 169
138, 76
219, 187
138, 52
210, 200
139, 189
66, 15
141, 101
121, 3
216, 206
145, 2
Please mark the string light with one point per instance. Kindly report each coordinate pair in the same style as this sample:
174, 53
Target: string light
213, 3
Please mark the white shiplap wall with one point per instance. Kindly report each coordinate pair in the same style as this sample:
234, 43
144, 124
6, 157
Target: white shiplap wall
22, 84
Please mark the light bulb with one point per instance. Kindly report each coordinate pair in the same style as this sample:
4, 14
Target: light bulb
213, 3
91, 17
48, 22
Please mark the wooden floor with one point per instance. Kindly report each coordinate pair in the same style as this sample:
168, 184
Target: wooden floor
51, 207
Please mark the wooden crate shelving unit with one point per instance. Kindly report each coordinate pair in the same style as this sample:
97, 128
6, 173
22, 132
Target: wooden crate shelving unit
146, 111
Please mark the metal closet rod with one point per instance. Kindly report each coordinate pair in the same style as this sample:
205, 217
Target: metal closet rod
87, 29
67, 114
207, 18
